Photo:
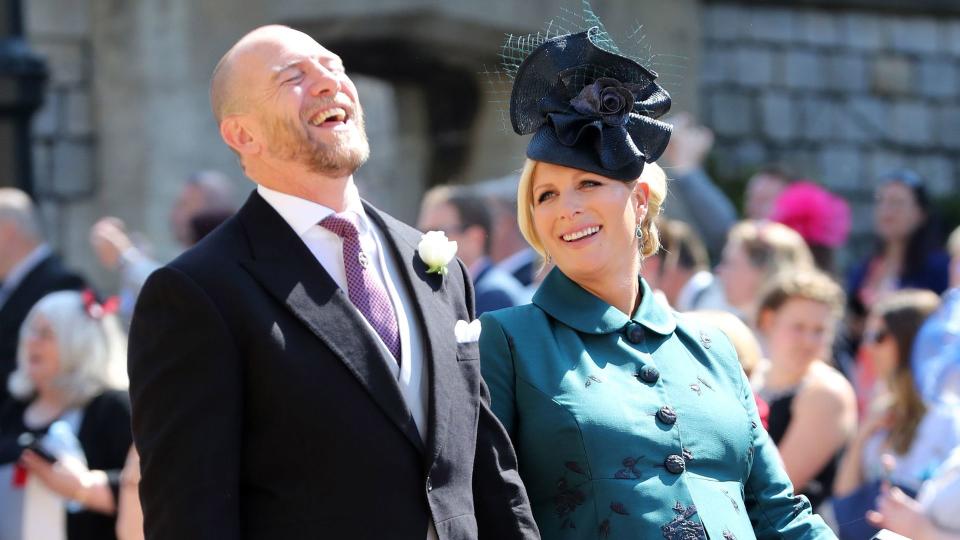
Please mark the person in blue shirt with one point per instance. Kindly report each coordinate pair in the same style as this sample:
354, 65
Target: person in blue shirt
629, 420
936, 351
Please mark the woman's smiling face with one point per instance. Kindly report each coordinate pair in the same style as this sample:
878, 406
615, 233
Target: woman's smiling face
587, 222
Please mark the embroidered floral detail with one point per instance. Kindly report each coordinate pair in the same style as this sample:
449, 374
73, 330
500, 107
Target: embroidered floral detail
605, 529
736, 506
687, 454
592, 379
696, 388
727, 535
568, 498
619, 508
682, 527
629, 470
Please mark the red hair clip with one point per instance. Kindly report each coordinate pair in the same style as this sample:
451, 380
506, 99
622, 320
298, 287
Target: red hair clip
96, 309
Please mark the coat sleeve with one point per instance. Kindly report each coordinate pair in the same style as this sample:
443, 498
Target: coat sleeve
775, 512
185, 389
500, 499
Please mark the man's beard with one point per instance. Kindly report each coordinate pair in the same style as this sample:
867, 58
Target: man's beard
290, 141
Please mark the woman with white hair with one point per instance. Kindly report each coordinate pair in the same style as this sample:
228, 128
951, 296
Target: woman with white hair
65, 434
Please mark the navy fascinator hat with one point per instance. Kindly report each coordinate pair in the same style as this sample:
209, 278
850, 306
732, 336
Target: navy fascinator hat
589, 108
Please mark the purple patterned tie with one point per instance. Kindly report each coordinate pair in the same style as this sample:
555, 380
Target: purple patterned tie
363, 287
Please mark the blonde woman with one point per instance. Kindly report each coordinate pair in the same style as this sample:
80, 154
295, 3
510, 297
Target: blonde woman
756, 251
628, 420
813, 409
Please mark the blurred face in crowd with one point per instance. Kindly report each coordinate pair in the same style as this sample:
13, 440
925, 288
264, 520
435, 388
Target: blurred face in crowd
740, 278
881, 346
896, 213
445, 217
587, 222
189, 203
799, 332
305, 108
43, 354
762, 191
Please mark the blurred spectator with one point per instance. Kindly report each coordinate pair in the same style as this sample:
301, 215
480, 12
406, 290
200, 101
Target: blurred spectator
908, 250
813, 409
28, 271
744, 342
821, 218
465, 219
206, 200
694, 198
71, 404
756, 251
933, 515
936, 352
762, 191
681, 269
508, 250
919, 437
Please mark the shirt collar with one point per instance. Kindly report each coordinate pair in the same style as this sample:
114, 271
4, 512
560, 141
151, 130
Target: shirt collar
565, 300
302, 214
25, 266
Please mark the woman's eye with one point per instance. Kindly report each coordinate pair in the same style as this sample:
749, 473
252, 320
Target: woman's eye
589, 183
544, 196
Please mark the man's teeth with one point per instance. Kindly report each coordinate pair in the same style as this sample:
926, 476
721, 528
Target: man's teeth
580, 234
336, 113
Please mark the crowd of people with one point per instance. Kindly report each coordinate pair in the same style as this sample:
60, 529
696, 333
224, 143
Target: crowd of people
849, 392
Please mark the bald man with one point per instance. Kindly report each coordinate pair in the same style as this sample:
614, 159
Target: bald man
298, 374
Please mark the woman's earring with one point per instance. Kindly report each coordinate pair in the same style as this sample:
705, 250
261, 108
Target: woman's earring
639, 232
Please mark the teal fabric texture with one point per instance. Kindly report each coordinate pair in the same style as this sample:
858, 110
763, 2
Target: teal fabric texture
634, 427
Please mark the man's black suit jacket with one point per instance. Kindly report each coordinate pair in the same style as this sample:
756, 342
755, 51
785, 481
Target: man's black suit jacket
46, 277
262, 408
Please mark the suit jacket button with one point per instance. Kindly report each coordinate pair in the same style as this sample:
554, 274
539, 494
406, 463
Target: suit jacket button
649, 374
634, 333
675, 464
667, 415
429, 485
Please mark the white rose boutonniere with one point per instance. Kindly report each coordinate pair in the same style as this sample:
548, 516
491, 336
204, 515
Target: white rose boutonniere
436, 251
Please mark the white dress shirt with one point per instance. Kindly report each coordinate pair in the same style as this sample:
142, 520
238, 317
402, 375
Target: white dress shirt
304, 217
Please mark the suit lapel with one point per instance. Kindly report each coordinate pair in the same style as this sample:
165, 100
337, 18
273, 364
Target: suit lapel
284, 266
435, 315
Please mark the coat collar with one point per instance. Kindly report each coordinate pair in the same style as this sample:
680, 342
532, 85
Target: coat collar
565, 300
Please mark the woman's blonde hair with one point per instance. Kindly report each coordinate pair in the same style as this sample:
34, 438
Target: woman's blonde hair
652, 175
92, 350
771, 247
806, 283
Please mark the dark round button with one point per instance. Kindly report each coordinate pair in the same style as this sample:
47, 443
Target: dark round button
634, 333
649, 374
675, 464
666, 415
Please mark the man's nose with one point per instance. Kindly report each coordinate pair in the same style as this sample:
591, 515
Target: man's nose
324, 82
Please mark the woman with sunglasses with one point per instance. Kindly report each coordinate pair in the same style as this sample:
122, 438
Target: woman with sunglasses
919, 437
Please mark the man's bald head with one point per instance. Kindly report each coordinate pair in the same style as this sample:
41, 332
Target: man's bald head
227, 95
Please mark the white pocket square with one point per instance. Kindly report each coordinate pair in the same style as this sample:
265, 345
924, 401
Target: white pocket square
467, 332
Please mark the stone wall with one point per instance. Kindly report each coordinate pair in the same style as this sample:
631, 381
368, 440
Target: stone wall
840, 95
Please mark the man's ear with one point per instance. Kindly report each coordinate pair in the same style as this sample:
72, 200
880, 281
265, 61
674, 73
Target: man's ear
237, 134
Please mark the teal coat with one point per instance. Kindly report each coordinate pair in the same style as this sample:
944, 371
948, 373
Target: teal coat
634, 428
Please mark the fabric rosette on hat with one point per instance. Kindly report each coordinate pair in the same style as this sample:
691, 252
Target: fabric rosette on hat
588, 106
